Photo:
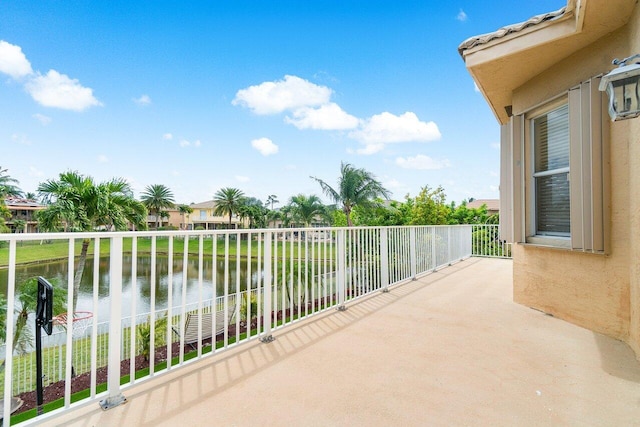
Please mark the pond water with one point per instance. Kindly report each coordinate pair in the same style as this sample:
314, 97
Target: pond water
57, 272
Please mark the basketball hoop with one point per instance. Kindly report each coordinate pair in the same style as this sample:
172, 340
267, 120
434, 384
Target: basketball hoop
80, 322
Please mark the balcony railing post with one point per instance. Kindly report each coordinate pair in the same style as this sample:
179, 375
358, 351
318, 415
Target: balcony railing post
114, 397
434, 255
341, 273
449, 246
8, 367
384, 259
268, 288
412, 252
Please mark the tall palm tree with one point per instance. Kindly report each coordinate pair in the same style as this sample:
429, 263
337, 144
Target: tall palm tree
272, 199
8, 185
356, 187
227, 202
76, 203
305, 209
32, 197
185, 210
157, 197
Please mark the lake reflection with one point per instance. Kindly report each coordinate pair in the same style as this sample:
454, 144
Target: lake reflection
57, 271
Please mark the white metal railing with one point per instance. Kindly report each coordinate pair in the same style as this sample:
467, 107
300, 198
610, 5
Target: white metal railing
297, 273
486, 242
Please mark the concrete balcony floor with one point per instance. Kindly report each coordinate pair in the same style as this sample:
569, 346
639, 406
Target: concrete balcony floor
448, 349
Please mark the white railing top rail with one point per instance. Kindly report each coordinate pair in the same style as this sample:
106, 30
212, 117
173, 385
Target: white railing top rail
165, 233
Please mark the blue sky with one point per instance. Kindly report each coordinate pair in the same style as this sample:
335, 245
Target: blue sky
250, 94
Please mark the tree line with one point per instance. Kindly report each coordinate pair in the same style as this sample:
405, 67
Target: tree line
75, 202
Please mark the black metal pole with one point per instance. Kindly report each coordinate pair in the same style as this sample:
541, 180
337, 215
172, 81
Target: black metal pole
39, 388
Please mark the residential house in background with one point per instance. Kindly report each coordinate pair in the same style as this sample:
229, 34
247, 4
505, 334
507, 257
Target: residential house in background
203, 216
493, 205
570, 178
23, 219
173, 219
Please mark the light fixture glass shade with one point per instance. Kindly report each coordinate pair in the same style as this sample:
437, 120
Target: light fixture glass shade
621, 85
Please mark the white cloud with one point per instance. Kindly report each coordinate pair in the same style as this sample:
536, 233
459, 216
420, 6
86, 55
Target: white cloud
386, 128
241, 178
44, 120
20, 139
167, 136
12, 61
102, 158
185, 143
143, 101
393, 184
33, 171
461, 16
326, 117
58, 90
275, 97
370, 149
422, 162
265, 146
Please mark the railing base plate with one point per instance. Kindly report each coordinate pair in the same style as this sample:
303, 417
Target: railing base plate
267, 339
112, 402
341, 308
385, 291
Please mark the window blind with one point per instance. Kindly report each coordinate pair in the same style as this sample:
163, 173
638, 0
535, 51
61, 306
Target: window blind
551, 175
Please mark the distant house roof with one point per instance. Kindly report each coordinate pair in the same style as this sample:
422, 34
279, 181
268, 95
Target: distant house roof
203, 205
21, 203
492, 204
472, 42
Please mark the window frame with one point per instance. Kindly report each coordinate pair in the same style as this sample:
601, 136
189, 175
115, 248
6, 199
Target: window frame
533, 236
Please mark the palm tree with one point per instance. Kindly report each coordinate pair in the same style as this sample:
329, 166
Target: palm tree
227, 202
76, 203
8, 185
356, 187
305, 209
157, 197
185, 210
272, 199
32, 197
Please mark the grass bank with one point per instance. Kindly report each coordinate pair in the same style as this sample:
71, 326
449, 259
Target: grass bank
44, 251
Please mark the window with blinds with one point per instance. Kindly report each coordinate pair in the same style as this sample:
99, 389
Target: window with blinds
551, 172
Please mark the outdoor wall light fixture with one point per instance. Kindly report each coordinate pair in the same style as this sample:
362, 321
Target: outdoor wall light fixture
621, 85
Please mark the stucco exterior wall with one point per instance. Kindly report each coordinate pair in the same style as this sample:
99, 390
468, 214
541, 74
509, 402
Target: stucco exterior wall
632, 135
599, 292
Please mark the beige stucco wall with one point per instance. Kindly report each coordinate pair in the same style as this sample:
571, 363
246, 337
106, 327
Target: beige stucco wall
599, 292
632, 133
